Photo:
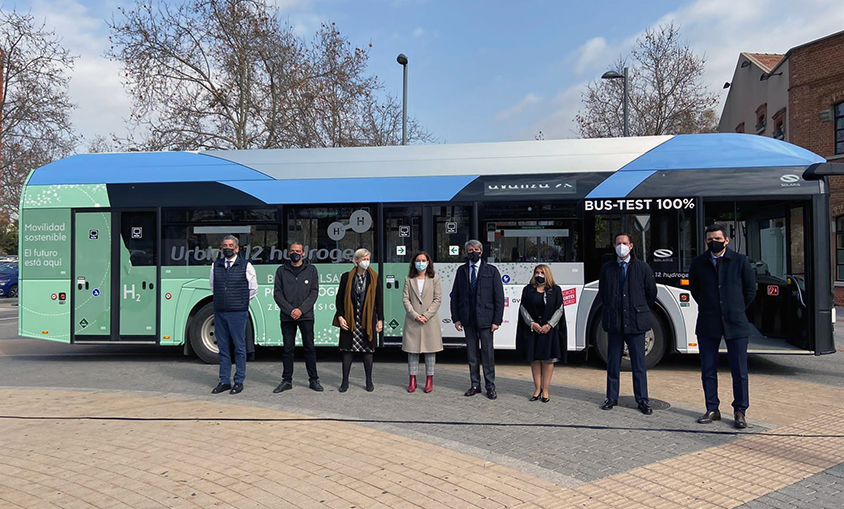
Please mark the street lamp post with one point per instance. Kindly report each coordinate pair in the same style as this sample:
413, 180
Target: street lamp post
402, 59
612, 75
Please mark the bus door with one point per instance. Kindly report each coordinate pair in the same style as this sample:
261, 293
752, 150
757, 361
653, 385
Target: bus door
92, 278
519, 236
772, 234
137, 243
403, 234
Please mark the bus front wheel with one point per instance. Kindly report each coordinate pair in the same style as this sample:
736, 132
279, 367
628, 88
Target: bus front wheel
204, 342
655, 340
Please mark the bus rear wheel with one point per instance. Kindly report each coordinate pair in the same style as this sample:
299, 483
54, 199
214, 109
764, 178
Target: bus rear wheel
203, 340
655, 340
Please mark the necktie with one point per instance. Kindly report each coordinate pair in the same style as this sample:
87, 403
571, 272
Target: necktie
623, 272
228, 264
473, 277
717, 264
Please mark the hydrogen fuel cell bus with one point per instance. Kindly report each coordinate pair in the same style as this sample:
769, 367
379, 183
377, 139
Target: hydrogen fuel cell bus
115, 248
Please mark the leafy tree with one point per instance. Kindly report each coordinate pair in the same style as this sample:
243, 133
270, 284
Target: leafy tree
35, 108
665, 91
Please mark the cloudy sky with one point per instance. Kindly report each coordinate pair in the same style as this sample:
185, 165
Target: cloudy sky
480, 70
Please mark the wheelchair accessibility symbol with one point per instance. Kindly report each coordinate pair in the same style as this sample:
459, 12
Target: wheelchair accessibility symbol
96, 292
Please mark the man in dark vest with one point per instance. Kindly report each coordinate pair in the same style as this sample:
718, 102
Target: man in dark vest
296, 291
477, 307
723, 284
235, 284
627, 290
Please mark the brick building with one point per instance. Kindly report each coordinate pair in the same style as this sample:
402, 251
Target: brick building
797, 97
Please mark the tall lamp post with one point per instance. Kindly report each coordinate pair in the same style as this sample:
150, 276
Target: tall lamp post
402, 59
612, 75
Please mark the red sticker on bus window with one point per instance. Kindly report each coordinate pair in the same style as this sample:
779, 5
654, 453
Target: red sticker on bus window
569, 296
773, 290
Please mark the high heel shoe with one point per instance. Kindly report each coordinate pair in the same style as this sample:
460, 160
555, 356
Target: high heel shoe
545, 399
343, 387
535, 397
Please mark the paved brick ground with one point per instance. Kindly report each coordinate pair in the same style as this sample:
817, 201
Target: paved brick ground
187, 454
822, 491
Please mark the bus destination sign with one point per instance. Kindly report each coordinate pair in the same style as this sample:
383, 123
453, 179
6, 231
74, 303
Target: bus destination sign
638, 204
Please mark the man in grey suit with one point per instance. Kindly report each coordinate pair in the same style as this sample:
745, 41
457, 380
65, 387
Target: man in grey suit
477, 309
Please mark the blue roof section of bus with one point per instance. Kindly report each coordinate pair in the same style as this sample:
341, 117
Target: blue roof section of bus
141, 167
705, 151
355, 190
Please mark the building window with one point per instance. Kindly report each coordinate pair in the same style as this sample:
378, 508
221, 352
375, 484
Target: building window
740, 128
839, 128
779, 124
761, 118
839, 248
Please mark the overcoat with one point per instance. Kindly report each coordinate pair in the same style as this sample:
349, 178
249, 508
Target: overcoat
419, 338
722, 297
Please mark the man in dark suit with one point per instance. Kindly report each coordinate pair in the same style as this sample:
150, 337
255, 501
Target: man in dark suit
477, 308
627, 291
723, 284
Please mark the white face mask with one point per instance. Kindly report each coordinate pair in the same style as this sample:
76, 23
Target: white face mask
364, 264
622, 250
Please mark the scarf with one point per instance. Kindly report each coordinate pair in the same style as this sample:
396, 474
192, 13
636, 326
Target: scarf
368, 311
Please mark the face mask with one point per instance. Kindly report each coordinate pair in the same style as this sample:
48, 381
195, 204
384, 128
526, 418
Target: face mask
474, 256
622, 250
421, 266
228, 252
715, 246
295, 257
364, 264
540, 280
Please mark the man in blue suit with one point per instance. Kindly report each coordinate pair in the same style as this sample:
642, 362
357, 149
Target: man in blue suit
477, 309
723, 284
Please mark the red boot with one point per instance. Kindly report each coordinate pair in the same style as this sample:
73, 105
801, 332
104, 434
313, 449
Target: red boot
412, 386
429, 384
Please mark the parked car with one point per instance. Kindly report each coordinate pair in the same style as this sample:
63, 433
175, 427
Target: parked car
9, 280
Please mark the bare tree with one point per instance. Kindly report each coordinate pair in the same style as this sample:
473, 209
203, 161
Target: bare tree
228, 74
35, 108
666, 95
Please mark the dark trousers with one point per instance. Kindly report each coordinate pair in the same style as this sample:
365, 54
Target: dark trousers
288, 332
479, 349
230, 331
737, 355
636, 349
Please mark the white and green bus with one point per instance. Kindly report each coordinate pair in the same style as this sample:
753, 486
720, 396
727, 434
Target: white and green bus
115, 248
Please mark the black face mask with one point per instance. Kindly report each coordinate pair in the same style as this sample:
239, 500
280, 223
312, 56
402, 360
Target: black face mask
228, 252
715, 246
540, 280
295, 257
474, 256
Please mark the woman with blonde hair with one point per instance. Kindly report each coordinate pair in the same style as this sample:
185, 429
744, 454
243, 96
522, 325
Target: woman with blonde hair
541, 329
422, 296
360, 313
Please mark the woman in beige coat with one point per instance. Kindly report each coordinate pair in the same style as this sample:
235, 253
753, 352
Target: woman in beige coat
422, 297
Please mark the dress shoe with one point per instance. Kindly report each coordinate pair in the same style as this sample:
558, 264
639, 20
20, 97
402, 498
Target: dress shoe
429, 384
370, 386
740, 422
343, 387
709, 416
221, 387
491, 394
472, 391
534, 398
411, 386
237, 388
283, 386
608, 404
645, 408
544, 399
315, 386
